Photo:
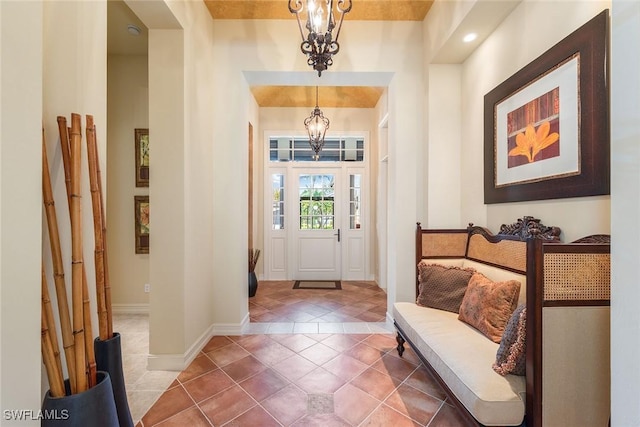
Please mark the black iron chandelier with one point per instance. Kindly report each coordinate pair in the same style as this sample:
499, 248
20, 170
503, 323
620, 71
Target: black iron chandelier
319, 45
316, 125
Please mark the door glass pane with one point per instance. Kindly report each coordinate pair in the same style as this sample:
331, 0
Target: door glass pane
316, 201
355, 201
277, 201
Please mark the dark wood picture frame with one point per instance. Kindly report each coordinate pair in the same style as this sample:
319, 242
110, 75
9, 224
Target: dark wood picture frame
142, 157
141, 212
589, 44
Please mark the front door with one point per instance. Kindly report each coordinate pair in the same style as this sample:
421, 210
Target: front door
317, 229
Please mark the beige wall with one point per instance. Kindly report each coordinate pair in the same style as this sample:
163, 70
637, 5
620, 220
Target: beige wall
20, 206
625, 211
507, 50
128, 109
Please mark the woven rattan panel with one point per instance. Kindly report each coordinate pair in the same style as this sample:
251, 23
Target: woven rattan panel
443, 244
577, 276
506, 253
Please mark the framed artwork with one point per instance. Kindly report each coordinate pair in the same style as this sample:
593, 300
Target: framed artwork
142, 157
141, 204
546, 128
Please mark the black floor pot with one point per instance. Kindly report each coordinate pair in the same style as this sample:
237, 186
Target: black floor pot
109, 359
94, 407
253, 283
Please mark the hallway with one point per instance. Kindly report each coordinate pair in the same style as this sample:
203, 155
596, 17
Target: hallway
309, 357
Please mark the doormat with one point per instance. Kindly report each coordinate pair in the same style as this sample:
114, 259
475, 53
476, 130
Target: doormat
317, 284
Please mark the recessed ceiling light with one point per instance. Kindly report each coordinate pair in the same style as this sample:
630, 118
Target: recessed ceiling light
133, 30
470, 37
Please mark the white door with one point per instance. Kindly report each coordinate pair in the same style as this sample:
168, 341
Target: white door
316, 212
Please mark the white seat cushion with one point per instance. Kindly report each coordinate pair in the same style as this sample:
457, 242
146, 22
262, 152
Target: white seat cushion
462, 357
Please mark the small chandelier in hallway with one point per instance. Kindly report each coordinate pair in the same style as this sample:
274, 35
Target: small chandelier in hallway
316, 125
319, 45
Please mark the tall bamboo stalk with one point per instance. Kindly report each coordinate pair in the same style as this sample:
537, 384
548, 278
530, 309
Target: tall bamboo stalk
92, 155
58, 269
49, 344
64, 132
107, 282
76, 254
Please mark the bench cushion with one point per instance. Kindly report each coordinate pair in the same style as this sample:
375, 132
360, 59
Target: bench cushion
463, 358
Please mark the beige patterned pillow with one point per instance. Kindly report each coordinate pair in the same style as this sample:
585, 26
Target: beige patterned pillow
487, 305
442, 287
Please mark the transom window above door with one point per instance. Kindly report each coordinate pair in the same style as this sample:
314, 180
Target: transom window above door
288, 149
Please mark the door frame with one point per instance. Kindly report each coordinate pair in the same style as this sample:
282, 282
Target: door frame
278, 264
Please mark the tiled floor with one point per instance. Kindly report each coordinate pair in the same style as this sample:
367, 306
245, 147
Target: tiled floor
298, 379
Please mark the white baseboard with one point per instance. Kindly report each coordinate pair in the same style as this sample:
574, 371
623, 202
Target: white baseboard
179, 362
130, 308
231, 328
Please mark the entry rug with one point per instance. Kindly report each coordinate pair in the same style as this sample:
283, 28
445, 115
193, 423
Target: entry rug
317, 284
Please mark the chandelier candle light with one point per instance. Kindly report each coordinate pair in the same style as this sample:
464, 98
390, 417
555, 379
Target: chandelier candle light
316, 125
319, 45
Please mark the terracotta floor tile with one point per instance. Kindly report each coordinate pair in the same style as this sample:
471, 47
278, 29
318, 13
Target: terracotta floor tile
368, 316
345, 367
272, 353
200, 365
287, 405
294, 367
254, 417
382, 342
340, 342
320, 381
253, 342
170, 403
353, 404
413, 403
208, 385
191, 417
296, 342
319, 353
423, 381
226, 406
376, 383
394, 366
447, 416
216, 343
409, 355
243, 368
385, 416
321, 420
264, 384
225, 355
365, 353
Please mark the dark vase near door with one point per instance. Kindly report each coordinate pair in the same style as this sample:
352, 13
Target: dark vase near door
253, 283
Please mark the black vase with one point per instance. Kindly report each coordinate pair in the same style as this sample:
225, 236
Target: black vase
94, 407
253, 283
109, 359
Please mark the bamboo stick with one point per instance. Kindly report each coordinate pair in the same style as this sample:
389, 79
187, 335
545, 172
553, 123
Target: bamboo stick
49, 340
58, 269
64, 132
97, 227
76, 254
107, 282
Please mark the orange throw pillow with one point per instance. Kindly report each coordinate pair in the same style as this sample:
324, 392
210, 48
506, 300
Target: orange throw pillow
487, 305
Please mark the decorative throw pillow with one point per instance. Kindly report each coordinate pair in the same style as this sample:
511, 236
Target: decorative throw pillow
511, 355
487, 305
442, 287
